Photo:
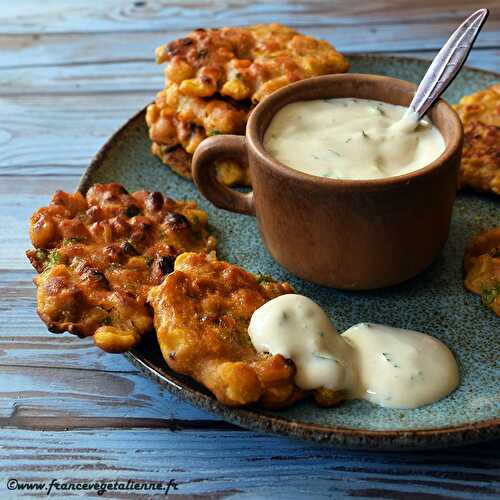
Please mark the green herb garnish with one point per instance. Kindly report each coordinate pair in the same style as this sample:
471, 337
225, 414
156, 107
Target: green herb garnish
129, 249
41, 255
107, 321
388, 358
53, 259
334, 152
324, 355
214, 132
263, 278
489, 294
132, 211
72, 241
379, 161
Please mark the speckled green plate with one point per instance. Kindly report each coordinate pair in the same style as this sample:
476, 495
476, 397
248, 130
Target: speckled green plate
434, 302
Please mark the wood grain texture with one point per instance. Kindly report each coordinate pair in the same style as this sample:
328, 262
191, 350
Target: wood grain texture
20, 196
59, 134
35, 51
245, 465
27, 51
81, 16
117, 78
71, 72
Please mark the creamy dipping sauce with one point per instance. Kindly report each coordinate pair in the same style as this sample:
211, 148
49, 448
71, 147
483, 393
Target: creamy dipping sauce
349, 138
388, 366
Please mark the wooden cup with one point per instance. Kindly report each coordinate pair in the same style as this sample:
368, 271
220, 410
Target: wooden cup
349, 234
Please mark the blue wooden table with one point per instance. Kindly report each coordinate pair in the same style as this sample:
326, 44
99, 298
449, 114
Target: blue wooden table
70, 73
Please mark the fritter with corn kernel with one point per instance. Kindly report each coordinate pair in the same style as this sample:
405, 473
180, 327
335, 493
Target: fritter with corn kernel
228, 171
482, 106
214, 78
201, 313
246, 63
172, 113
482, 268
480, 115
99, 254
177, 124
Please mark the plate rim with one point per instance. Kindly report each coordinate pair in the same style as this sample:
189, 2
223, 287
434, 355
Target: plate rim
344, 437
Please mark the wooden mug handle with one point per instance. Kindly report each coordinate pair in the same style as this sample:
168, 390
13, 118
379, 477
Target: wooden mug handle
205, 174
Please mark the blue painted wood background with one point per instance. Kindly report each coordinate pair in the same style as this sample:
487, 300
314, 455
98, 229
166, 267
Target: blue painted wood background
70, 73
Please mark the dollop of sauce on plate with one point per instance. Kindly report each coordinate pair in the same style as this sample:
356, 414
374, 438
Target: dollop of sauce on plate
388, 366
347, 138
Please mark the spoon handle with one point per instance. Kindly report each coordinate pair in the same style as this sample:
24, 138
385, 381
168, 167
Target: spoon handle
447, 63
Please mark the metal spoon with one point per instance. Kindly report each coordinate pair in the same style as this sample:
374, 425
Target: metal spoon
446, 65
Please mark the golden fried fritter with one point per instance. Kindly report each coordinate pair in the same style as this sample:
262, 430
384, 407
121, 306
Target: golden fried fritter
215, 77
482, 106
177, 124
480, 115
98, 255
177, 119
246, 63
201, 313
482, 268
215, 115
480, 167
228, 171
175, 157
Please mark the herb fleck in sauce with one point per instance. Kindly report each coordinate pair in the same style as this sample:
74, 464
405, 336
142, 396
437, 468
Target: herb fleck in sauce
384, 365
351, 139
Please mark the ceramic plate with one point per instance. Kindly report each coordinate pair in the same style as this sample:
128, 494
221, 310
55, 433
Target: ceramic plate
435, 302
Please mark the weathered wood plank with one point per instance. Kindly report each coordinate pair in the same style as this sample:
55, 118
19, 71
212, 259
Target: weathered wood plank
85, 79
59, 16
52, 392
48, 375
102, 49
243, 465
133, 77
146, 76
28, 51
59, 134
19, 198
25, 341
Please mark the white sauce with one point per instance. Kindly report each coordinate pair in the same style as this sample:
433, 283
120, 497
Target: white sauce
387, 366
297, 328
351, 139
